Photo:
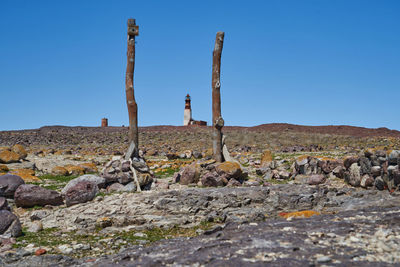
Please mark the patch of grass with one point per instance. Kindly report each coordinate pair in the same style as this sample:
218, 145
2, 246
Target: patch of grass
58, 178
55, 182
35, 208
157, 234
103, 194
45, 237
278, 181
245, 164
53, 186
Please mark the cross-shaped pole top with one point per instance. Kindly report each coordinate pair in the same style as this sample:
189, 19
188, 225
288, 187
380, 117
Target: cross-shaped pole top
133, 29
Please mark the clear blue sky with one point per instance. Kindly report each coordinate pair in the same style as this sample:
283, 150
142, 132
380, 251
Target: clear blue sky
309, 62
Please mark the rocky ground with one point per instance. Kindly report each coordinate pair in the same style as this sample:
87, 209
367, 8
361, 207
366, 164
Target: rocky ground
327, 196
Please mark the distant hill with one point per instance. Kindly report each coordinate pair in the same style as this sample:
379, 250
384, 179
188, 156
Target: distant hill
270, 127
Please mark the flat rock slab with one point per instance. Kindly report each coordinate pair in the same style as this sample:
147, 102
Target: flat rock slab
351, 238
189, 207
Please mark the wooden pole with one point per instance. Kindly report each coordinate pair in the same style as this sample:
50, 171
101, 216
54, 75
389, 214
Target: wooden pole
218, 122
133, 30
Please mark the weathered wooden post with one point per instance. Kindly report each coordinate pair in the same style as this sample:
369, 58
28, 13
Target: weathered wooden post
218, 122
133, 30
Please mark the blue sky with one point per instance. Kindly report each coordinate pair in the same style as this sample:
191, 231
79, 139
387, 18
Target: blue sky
309, 62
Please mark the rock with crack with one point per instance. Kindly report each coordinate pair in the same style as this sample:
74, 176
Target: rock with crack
81, 192
9, 224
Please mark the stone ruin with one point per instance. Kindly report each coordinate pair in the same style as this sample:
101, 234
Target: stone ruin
104, 122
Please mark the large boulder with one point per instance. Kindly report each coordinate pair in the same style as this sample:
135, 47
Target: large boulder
212, 179
190, 174
81, 192
20, 150
7, 156
228, 169
9, 224
99, 181
28, 195
8, 184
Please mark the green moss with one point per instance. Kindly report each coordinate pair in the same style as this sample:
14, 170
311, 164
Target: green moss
165, 172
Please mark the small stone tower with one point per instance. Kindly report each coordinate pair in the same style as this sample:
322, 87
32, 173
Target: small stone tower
104, 122
187, 114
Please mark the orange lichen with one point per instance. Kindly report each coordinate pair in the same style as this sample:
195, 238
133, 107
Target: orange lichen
58, 170
300, 158
7, 156
75, 170
26, 174
323, 158
3, 168
89, 167
266, 157
299, 214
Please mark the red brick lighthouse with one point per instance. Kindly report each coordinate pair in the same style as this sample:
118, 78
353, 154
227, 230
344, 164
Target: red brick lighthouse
187, 114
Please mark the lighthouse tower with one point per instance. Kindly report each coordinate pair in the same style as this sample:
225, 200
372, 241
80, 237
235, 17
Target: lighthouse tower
187, 115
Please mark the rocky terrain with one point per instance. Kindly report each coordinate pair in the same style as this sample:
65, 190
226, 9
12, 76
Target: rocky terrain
292, 195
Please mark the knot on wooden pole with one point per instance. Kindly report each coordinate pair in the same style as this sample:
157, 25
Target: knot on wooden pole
219, 123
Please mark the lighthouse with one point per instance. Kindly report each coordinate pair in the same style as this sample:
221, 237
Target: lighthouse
187, 114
